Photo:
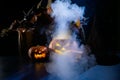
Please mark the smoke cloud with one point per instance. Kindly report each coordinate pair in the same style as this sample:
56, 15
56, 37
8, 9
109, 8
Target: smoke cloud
74, 60
64, 13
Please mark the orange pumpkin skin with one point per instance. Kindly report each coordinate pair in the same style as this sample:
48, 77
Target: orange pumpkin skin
38, 53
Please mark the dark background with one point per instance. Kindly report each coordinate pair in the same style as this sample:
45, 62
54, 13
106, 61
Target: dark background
102, 31
103, 16
13, 9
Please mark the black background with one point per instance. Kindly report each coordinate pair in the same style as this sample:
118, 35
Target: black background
104, 11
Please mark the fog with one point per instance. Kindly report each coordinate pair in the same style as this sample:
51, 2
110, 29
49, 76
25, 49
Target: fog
73, 59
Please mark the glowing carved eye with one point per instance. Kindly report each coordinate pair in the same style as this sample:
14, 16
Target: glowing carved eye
57, 44
63, 49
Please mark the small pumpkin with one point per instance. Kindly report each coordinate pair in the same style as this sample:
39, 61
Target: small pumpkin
38, 53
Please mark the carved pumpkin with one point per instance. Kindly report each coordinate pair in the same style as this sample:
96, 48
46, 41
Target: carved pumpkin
61, 46
38, 53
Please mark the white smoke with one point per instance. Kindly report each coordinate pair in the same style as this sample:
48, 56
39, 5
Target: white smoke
71, 64
64, 13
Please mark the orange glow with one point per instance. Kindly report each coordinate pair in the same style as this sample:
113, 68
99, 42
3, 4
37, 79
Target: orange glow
35, 50
57, 44
58, 48
58, 51
38, 52
64, 46
63, 49
38, 56
78, 23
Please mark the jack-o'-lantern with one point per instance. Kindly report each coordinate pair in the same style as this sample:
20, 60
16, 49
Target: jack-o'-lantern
38, 53
62, 46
